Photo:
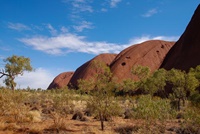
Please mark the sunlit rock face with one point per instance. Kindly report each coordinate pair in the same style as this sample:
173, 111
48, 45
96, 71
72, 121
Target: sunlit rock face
150, 53
61, 80
86, 71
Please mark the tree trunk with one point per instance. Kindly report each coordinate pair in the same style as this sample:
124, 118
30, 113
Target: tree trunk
102, 121
102, 125
12, 84
13, 87
179, 104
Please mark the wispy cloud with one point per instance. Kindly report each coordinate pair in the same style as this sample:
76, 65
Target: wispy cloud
77, 13
18, 26
104, 10
83, 25
65, 43
81, 6
113, 3
63, 29
137, 40
5, 48
51, 29
150, 12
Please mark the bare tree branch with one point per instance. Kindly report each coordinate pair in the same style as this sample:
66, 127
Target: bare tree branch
3, 73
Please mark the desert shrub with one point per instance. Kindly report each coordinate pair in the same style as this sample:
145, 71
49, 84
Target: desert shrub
58, 123
191, 124
128, 114
149, 108
107, 105
78, 115
153, 128
127, 129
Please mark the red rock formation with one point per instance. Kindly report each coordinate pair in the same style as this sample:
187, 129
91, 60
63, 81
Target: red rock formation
186, 52
85, 71
149, 53
61, 80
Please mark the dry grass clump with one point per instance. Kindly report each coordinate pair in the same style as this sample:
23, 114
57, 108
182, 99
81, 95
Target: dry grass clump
58, 123
34, 116
9, 126
12, 106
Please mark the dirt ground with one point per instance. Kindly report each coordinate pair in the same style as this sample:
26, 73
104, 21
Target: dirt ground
92, 126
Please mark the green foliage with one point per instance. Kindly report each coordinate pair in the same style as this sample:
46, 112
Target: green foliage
85, 86
141, 72
196, 72
195, 99
182, 84
103, 105
15, 66
140, 75
156, 82
129, 85
149, 108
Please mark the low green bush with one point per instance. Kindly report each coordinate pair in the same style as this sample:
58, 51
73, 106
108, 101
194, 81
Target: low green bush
149, 108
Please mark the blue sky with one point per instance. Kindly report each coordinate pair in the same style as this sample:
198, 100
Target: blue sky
61, 35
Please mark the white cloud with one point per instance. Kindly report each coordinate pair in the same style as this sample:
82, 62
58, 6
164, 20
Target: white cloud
40, 78
150, 12
83, 25
18, 26
63, 44
69, 43
51, 29
113, 3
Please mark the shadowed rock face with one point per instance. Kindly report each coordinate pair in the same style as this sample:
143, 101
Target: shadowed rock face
61, 80
85, 71
186, 51
149, 53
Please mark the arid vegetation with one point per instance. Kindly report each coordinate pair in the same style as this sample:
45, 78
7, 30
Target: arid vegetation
104, 106
67, 111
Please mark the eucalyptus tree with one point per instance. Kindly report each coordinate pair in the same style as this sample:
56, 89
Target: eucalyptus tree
100, 89
15, 65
